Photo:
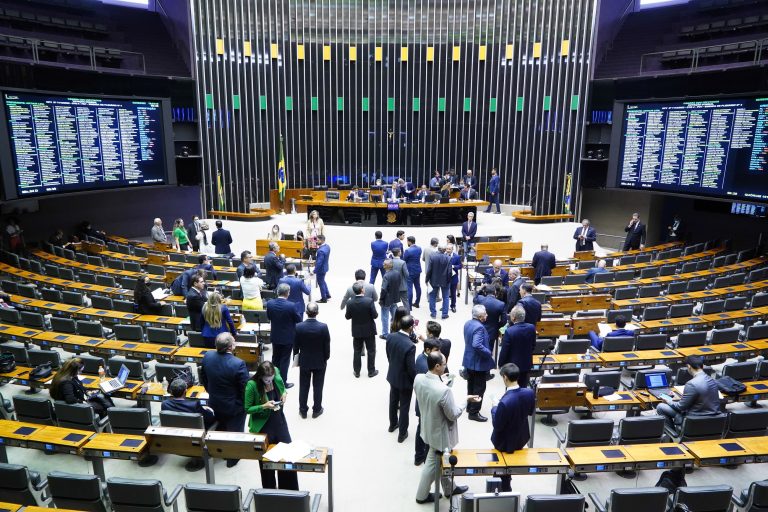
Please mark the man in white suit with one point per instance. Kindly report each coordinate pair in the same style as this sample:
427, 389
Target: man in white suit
439, 430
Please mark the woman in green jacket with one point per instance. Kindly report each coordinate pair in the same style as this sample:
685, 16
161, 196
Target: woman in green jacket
264, 398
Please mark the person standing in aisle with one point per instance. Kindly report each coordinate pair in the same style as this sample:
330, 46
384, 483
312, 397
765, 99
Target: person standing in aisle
378, 254
412, 258
362, 311
313, 347
494, 190
478, 359
321, 267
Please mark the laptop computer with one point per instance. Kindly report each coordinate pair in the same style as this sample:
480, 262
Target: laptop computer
108, 386
657, 384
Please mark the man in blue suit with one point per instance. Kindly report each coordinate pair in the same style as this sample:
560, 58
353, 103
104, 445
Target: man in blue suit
274, 264
585, 237
298, 288
378, 255
467, 193
493, 189
543, 262
412, 258
283, 318
496, 271
439, 278
518, 344
221, 240
313, 346
531, 306
468, 232
178, 402
599, 269
398, 241
513, 291
510, 417
321, 267
621, 323
392, 194
494, 308
224, 377
478, 359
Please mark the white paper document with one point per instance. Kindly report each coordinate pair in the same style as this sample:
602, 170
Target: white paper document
159, 294
288, 452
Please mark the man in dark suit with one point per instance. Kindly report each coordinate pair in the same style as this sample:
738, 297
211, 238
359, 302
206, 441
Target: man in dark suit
494, 308
531, 306
513, 291
498, 272
321, 267
494, 189
378, 255
392, 193
178, 402
204, 263
368, 289
389, 296
676, 230
635, 234
196, 228
397, 242
543, 262
467, 193
298, 288
621, 323
470, 180
399, 266
468, 232
585, 237
401, 354
412, 259
274, 264
246, 260
439, 278
700, 396
362, 311
283, 318
224, 377
221, 240
313, 346
196, 297
510, 417
478, 359
518, 344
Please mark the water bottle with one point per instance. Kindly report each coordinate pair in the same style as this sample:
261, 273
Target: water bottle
102, 374
596, 389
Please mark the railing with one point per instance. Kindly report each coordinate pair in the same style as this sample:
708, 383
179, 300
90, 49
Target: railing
56, 53
750, 53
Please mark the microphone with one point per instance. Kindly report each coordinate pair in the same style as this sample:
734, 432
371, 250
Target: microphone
453, 460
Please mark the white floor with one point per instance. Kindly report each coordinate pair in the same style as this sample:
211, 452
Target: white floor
371, 468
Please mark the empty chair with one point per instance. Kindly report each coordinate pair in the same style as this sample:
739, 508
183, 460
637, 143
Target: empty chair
160, 335
82, 258
180, 310
552, 280
730, 259
115, 264
285, 500
26, 290
50, 294
126, 332
650, 272
700, 428
554, 503
667, 270
195, 339
155, 270
738, 278
78, 492
730, 335
762, 370
103, 280
757, 332
64, 325
80, 416
37, 357
72, 298
643, 258
244, 337
585, 264
696, 285
35, 266
253, 316
759, 300
32, 320
655, 313
140, 252
574, 279
91, 329
650, 291
753, 499
651, 342
625, 275
95, 260
129, 420
218, 498
691, 339
629, 292
735, 303
91, 364
21, 486
606, 379
743, 372
586, 433
87, 277
124, 306
719, 261
543, 345
51, 270
675, 288
613, 313
721, 282
129, 495
627, 260
101, 302
136, 369
18, 350
132, 266
548, 412
680, 310
34, 409
635, 499
641, 430
9, 286
605, 277
639, 381
10, 316
169, 371
688, 266
711, 307
573, 346
747, 423
705, 498
618, 344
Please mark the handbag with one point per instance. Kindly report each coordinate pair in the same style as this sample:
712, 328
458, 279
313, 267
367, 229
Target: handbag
7, 362
41, 371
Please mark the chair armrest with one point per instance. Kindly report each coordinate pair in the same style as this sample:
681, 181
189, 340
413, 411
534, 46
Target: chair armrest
41, 485
249, 499
104, 423
316, 502
171, 498
560, 436
599, 507
738, 501
593, 350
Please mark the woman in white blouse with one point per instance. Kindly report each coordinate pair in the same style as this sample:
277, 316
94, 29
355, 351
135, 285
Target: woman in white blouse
315, 228
251, 287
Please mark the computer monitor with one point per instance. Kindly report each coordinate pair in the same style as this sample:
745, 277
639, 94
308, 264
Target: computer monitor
490, 502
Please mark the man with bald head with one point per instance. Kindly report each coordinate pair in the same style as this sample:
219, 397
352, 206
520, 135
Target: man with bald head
543, 262
157, 232
496, 271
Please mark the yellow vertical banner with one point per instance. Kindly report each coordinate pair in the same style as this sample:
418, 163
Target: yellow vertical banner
509, 52
326, 52
247, 51
404, 53
565, 47
536, 50
353, 53
300, 52
219, 47
456, 53
378, 54
430, 53
482, 52
274, 50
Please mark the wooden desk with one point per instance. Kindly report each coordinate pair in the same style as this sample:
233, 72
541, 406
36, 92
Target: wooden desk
44, 306
187, 442
640, 357
659, 455
16, 333
757, 445
476, 462
720, 452
639, 303
15, 433
55, 282
715, 352
651, 249
291, 248
14, 374
560, 394
552, 327
169, 322
759, 345
109, 315
137, 350
566, 362
498, 249
756, 390
582, 325
113, 446
673, 324
530, 461
12, 507
627, 402
235, 445
596, 459
59, 440
570, 304
69, 342
43, 509
190, 354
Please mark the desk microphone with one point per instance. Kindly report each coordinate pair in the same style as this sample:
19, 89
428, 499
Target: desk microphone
547, 352
452, 460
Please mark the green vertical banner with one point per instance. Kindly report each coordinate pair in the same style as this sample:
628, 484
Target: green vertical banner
547, 102
209, 101
340, 103
236, 102
314, 104
467, 104
441, 104
416, 104
365, 104
390, 104
289, 103
520, 103
263, 102
575, 102
492, 105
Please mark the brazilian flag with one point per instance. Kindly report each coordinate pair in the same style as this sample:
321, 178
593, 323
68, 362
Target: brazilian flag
282, 183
